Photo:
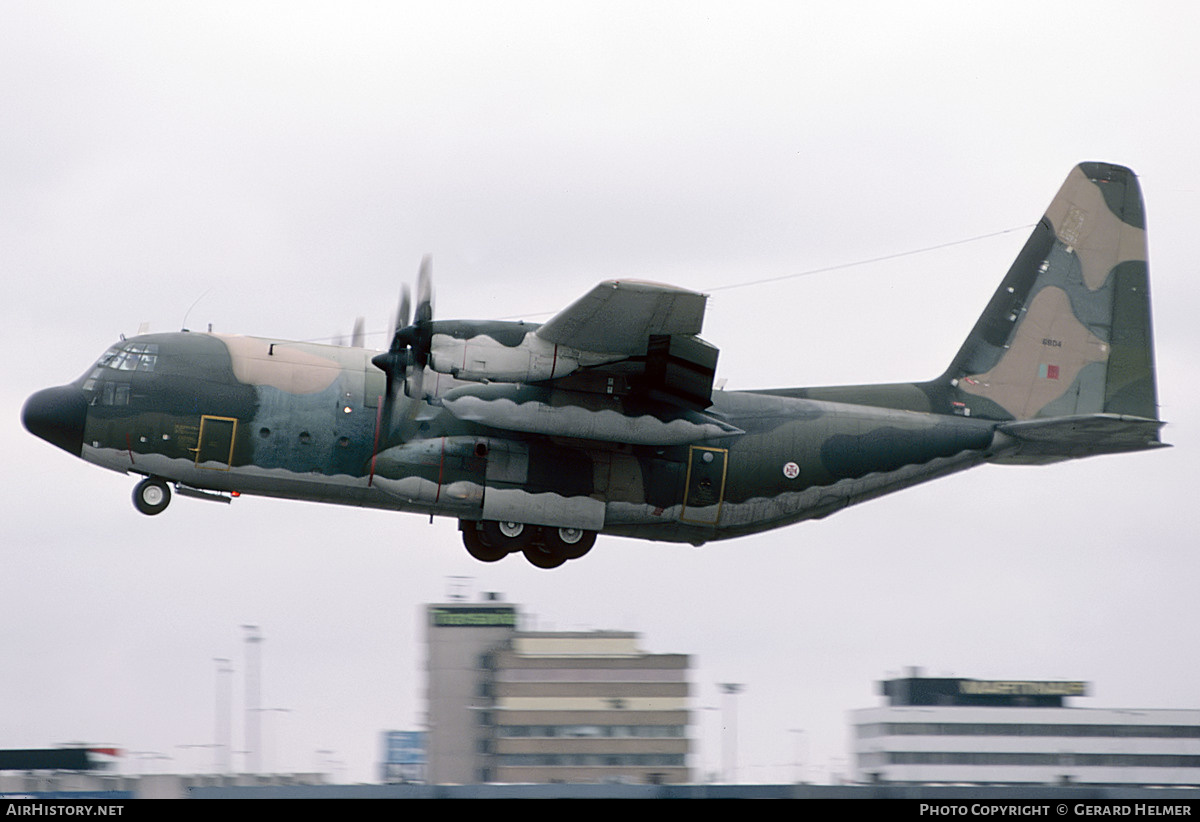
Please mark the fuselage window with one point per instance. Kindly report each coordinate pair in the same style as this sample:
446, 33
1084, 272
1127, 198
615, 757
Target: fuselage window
106, 392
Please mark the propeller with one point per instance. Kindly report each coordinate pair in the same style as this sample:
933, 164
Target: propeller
357, 336
410, 345
417, 337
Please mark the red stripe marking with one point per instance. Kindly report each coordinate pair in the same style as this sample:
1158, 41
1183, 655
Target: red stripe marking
375, 447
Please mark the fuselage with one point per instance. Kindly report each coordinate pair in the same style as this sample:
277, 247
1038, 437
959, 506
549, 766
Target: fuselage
305, 421
604, 419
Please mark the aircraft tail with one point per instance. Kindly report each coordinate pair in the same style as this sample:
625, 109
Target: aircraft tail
1068, 332
1063, 356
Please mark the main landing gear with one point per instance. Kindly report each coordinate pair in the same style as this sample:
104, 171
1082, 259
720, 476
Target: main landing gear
543, 546
151, 496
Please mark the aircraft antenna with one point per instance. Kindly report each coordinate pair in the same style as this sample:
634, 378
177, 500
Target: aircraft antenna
825, 269
894, 256
193, 305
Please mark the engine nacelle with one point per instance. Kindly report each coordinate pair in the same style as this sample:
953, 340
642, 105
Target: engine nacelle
503, 352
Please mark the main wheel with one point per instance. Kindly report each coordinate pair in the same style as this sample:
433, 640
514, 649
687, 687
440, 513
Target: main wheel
572, 543
477, 547
151, 496
512, 536
543, 556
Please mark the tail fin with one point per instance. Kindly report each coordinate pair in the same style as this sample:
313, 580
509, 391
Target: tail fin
1062, 357
1068, 332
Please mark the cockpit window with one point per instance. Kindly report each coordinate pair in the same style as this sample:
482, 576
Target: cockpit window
108, 356
130, 357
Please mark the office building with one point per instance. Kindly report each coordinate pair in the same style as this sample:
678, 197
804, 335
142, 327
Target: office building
507, 705
1013, 732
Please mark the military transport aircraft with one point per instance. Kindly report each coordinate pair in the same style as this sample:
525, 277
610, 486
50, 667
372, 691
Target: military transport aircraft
604, 419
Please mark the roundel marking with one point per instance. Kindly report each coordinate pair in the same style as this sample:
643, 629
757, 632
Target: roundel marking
791, 470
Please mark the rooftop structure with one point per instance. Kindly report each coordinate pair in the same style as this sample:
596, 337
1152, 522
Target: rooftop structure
1019, 732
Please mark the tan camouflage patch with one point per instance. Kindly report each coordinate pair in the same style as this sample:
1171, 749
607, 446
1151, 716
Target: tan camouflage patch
1047, 352
285, 366
1082, 221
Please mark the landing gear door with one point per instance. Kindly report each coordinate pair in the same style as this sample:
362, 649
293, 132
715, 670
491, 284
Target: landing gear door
215, 448
509, 497
704, 489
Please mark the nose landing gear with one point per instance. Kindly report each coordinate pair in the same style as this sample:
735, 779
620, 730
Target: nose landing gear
543, 547
151, 496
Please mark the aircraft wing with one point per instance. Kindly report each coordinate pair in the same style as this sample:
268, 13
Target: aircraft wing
643, 336
620, 317
638, 372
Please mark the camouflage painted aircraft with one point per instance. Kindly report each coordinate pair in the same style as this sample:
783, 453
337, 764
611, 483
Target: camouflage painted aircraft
604, 419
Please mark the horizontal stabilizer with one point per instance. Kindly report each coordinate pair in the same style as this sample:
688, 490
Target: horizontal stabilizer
1049, 440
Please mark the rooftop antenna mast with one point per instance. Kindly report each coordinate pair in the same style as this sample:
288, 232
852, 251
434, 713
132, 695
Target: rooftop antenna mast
456, 588
253, 696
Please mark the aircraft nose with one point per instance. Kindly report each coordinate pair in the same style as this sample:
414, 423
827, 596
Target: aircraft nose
57, 415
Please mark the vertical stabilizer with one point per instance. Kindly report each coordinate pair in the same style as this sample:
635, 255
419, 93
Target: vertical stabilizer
1068, 331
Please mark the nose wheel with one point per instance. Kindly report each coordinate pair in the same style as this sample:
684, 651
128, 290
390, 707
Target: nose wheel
543, 547
151, 496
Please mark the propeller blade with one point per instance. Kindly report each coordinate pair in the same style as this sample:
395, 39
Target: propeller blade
405, 360
422, 338
394, 363
425, 290
414, 385
358, 335
403, 310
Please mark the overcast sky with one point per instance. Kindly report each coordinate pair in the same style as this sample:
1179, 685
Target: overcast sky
279, 169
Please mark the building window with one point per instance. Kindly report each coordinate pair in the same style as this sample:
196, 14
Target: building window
1028, 729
